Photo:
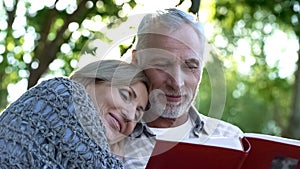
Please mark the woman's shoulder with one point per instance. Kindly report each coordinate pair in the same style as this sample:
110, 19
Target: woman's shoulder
58, 92
57, 83
72, 92
59, 86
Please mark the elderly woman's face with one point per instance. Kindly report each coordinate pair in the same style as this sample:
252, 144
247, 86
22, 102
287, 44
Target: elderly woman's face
120, 107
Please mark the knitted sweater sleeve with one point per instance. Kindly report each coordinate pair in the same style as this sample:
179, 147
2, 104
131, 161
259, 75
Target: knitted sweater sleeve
54, 125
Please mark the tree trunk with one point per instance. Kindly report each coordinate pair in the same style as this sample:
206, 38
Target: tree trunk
46, 51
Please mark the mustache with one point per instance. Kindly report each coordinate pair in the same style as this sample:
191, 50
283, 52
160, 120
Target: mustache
158, 97
181, 92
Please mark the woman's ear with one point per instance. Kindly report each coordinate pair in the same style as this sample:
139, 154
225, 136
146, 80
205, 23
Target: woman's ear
133, 58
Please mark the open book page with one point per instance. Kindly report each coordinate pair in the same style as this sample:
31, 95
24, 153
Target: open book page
178, 155
274, 138
255, 151
224, 142
272, 152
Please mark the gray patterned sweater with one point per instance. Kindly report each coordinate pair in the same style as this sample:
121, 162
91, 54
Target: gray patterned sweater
54, 125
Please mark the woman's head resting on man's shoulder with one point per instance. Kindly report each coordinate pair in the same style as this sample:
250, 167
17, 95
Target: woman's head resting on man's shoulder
119, 91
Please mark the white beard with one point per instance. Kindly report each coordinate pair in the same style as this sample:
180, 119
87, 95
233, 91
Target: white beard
175, 111
162, 108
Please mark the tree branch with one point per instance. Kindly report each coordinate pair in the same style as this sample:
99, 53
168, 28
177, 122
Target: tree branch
48, 52
11, 14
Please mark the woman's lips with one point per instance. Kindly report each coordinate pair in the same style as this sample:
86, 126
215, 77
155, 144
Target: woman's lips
114, 122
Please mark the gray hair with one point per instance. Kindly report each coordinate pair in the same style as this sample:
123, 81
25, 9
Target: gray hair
116, 72
169, 19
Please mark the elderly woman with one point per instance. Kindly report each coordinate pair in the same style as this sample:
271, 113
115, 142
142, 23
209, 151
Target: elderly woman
77, 122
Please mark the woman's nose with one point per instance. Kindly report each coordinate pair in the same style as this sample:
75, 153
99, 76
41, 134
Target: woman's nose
129, 112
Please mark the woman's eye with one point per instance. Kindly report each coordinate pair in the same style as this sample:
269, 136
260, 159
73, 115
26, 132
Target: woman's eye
125, 94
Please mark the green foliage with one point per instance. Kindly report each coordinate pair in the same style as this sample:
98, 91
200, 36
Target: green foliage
47, 39
259, 100
51, 39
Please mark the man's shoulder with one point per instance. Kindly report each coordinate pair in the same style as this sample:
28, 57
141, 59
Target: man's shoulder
218, 127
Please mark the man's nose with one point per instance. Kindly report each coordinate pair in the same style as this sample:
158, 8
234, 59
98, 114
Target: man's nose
176, 77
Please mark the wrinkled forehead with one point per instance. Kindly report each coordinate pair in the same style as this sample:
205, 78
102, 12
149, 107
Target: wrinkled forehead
185, 35
162, 47
158, 55
169, 41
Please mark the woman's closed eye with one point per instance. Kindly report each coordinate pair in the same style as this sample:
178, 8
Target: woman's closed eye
125, 94
128, 95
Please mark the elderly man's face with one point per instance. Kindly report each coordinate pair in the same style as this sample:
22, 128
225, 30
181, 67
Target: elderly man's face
174, 67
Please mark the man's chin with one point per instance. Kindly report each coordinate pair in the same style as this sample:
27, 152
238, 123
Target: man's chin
174, 111
171, 115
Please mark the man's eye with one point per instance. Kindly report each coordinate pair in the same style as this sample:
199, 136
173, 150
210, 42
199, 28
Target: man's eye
125, 94
192, 64
192, 67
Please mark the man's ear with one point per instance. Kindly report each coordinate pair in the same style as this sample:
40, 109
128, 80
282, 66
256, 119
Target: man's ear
133, 58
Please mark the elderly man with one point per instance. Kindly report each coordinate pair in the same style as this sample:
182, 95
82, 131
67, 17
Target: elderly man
170, 48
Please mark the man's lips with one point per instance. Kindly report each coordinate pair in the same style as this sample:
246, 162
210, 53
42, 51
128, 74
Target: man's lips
173, 98
115, 122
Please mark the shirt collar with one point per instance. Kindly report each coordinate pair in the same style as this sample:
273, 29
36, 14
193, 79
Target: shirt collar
141, 128
197, 121
209, 125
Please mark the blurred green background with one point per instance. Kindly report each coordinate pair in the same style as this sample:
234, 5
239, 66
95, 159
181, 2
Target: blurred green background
256, 44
